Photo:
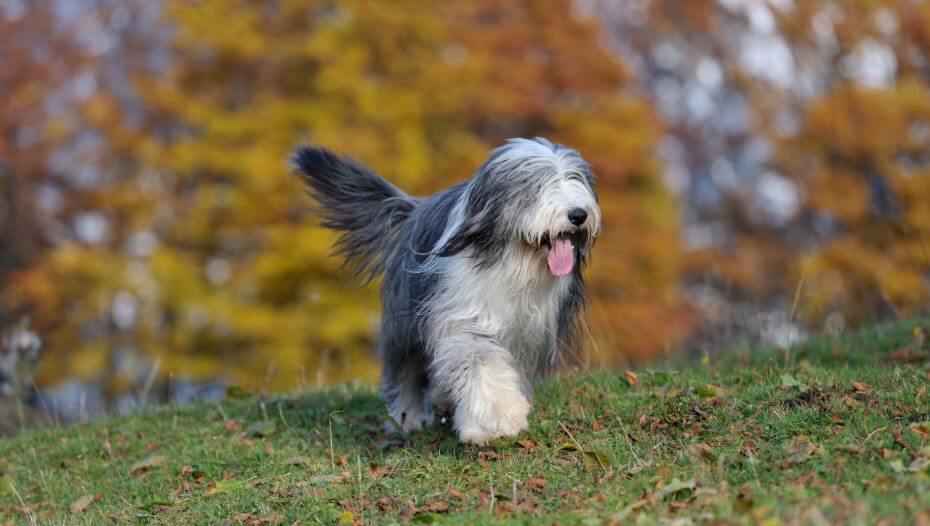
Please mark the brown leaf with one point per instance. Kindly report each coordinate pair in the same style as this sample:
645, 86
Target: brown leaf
232, 425
527, 443
700, 412
631, 378
906, 354
456, 493
861, 387
387, 503
377, 471
800, 449
437, 506
487, 455
250, 519
535, 484
899, 439
703, 452
920, 395
82, 503
147, 463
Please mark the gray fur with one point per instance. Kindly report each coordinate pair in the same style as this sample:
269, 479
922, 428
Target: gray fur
472, 316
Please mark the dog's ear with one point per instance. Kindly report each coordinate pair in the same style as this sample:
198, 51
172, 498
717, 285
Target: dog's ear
468, 233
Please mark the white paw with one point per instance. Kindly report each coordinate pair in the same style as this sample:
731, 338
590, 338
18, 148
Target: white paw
504, 418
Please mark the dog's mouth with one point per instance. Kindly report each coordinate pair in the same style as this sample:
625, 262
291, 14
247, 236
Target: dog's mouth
560, 251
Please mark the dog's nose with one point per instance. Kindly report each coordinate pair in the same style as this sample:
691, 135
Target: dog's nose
577, 216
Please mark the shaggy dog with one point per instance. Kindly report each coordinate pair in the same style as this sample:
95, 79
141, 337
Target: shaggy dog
482, 286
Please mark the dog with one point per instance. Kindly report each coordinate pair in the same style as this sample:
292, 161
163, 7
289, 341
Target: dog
482, 287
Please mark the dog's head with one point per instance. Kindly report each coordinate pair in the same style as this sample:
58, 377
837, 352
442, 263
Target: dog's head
530, 195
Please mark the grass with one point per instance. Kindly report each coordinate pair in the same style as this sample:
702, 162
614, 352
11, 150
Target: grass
833, 431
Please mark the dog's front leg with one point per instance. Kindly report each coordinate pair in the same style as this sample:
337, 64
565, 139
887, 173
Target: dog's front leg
478, 376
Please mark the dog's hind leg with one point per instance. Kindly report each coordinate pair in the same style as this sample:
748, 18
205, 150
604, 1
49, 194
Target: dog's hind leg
403, 386
479, 378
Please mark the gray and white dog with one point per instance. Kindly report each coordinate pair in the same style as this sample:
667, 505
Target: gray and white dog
482, 287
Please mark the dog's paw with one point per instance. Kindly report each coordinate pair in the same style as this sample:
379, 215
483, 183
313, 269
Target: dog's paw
505, 418
409, 420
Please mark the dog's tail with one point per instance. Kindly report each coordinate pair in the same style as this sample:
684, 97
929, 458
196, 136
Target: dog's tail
354, 200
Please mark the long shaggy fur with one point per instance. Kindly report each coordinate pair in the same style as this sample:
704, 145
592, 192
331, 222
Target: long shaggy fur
472, 314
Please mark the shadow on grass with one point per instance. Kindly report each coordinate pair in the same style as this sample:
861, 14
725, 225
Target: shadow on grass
354, 418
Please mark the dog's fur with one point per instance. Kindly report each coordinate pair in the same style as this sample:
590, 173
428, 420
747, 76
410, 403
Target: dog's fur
472, 315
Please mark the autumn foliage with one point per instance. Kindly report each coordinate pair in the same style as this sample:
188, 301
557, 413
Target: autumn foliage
155, 221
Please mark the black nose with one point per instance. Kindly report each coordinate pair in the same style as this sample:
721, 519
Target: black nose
577, 216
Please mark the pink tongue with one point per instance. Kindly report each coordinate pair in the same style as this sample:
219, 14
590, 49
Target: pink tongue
561, 256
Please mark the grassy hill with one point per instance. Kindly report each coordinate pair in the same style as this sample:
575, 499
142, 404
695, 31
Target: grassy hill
833, 431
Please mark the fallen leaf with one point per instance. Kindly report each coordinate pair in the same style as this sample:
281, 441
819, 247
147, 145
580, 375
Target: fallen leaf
916, 465
898, 438
437, 506
232, 425
800, 449
82, 503
920, 395
147, 463
675, 487
703, 452
631, 378
378, 471
534, 484
861, 387
300, 460
262, 429
594, 460
250, 519
156, 505
789, 381
6, 484
921, 429
700, 412
456, 493
387, 503
621, 516
225, 486
193, 471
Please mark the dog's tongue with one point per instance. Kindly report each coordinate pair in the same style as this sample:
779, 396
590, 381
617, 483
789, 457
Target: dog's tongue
561, 256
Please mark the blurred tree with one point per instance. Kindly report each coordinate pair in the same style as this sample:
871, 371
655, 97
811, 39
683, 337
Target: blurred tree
214, 264
860, 154
38, 58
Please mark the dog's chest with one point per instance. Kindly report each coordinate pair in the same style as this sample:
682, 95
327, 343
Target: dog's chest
520, 306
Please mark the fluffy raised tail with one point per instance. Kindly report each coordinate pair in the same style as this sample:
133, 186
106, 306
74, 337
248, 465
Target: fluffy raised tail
354, 200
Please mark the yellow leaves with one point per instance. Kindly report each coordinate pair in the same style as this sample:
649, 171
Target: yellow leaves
421, 94
876, 260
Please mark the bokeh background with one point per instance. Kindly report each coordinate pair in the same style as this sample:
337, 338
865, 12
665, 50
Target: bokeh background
763, 165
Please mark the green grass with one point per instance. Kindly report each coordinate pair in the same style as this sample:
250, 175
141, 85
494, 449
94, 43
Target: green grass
833, 431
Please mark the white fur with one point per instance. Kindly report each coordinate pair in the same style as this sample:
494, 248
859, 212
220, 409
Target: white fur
493, 331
